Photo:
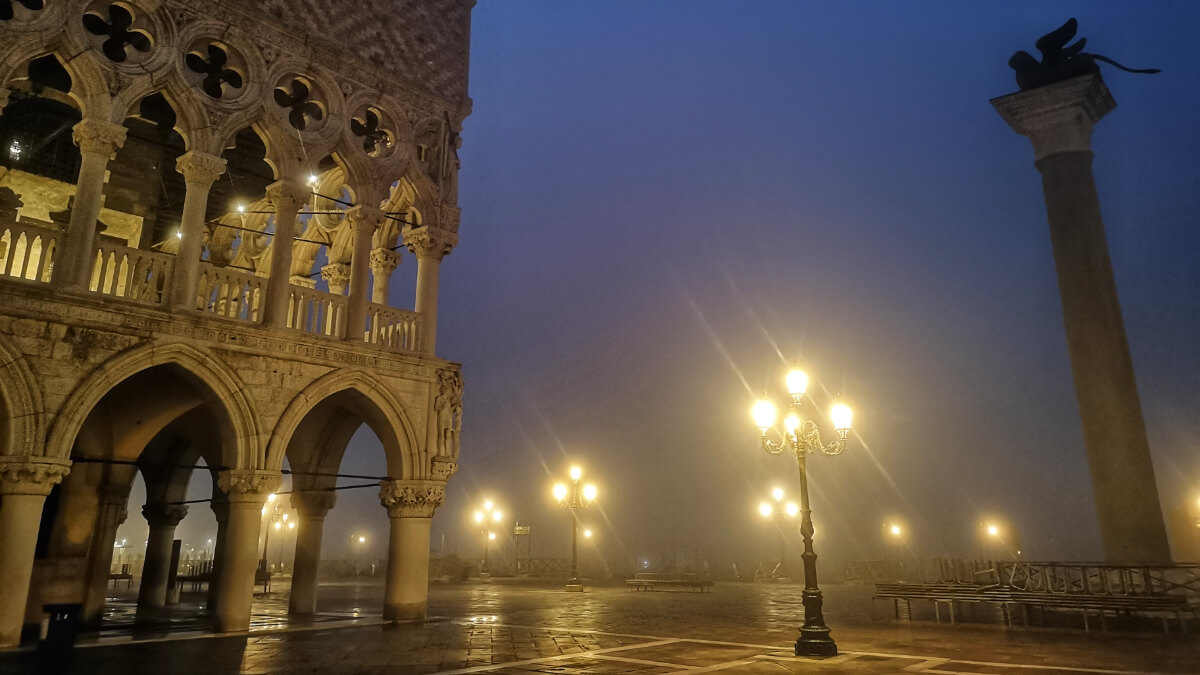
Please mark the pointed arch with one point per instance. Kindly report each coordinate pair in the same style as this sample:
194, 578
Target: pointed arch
21, 407
336, 382
223, 384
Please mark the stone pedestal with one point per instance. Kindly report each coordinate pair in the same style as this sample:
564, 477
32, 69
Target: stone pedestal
24, 484
410, 506
311, 508
163, 518
247, 493
1058, 119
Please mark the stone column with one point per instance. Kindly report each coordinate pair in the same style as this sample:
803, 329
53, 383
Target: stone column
163, 518
311, 507
364, 220
337, 275
199, 171
384, 261
247, 491
220, 509
111, 511
24, 484
98, 140
1058, 119
430, 245
410, 505
286, 198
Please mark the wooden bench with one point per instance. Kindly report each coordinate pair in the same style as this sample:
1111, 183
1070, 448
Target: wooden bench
647, 581
1007, 598
123, 575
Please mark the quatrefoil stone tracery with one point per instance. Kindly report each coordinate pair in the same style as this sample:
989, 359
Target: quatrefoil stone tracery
297, 99
118, 31
8, 7
216, 76
369, 127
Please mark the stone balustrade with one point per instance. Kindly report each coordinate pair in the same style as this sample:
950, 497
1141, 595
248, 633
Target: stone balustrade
27, 251
393, 328
316, 312
230, 293
132, 274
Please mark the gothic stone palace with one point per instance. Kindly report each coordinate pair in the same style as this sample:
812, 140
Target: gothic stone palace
202, 207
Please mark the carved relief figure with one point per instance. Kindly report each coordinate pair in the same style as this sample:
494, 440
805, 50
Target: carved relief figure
448, 407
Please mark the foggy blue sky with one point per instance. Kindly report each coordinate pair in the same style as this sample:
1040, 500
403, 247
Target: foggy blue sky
656, 195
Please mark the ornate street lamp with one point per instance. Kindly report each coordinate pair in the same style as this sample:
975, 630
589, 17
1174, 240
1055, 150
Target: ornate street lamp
485, 519
801, 435
574, 498
779, 511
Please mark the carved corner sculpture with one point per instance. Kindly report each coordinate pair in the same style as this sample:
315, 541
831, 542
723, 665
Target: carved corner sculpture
1059, 61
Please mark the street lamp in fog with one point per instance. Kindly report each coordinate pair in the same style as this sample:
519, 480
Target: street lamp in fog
779, 512
485, 519
573, 498
802, 436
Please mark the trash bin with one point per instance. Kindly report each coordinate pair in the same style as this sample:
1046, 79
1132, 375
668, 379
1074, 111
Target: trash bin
56, 643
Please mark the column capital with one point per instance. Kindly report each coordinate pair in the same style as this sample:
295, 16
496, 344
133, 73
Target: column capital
313, 503
248, 485
31, 475
384, 261
1058, 117
360, 216
97, 137
200, 167
285, 194
411, 498
429, 242
337, 275
164, 515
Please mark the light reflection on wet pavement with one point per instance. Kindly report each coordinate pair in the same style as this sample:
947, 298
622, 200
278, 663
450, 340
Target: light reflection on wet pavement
506, 627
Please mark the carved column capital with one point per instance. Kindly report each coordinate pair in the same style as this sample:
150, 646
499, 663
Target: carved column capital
31, 475
362, 217
313, 503
411, 498
429, 242
164, 515
199, 167
248, 485
337, 275
1058, 117
384, 261
285, 195
97, 137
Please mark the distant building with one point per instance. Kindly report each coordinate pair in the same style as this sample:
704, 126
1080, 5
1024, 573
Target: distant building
202, 203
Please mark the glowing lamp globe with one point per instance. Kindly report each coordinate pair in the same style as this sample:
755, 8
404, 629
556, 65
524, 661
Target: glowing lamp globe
764, 415
841, 414
777, 493
560, 491
765, 509
797, 382
589, 492
792, 509
576, 472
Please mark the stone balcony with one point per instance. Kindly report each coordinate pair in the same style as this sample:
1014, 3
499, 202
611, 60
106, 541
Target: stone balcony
131, 288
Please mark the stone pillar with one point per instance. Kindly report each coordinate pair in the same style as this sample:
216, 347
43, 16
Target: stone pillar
286, 198
163, 518
410, 505
337, 275
111, 511
247, 492
24, 484
364, 220
384, 261
311, 507
220, 509
199, 171
98, 141
1058, 119
430, 245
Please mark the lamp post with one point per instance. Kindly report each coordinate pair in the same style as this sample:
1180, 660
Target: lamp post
802, 436
485, 518
574, 498
272, 514
779, 511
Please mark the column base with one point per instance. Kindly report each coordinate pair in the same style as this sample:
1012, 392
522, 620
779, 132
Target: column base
815, 642
405, 612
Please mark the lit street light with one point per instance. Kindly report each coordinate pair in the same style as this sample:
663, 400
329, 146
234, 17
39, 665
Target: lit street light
802, 436
486, 518
574, 498
788, 510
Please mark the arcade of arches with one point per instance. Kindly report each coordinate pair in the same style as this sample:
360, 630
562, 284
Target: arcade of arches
202, 218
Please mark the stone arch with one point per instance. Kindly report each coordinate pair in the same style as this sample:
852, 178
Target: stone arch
403, 438
89, 87
192, 123
219, 378
21, 407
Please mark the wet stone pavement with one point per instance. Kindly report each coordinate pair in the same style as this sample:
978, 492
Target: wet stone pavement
504, 627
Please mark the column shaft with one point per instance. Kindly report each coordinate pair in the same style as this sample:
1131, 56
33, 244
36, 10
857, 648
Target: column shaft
303, 599
97, 140
286, 200
427, 298
364, 221
221, 511
239, 560
110, 514
20, 516
199, 171
153, 589
407, 586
